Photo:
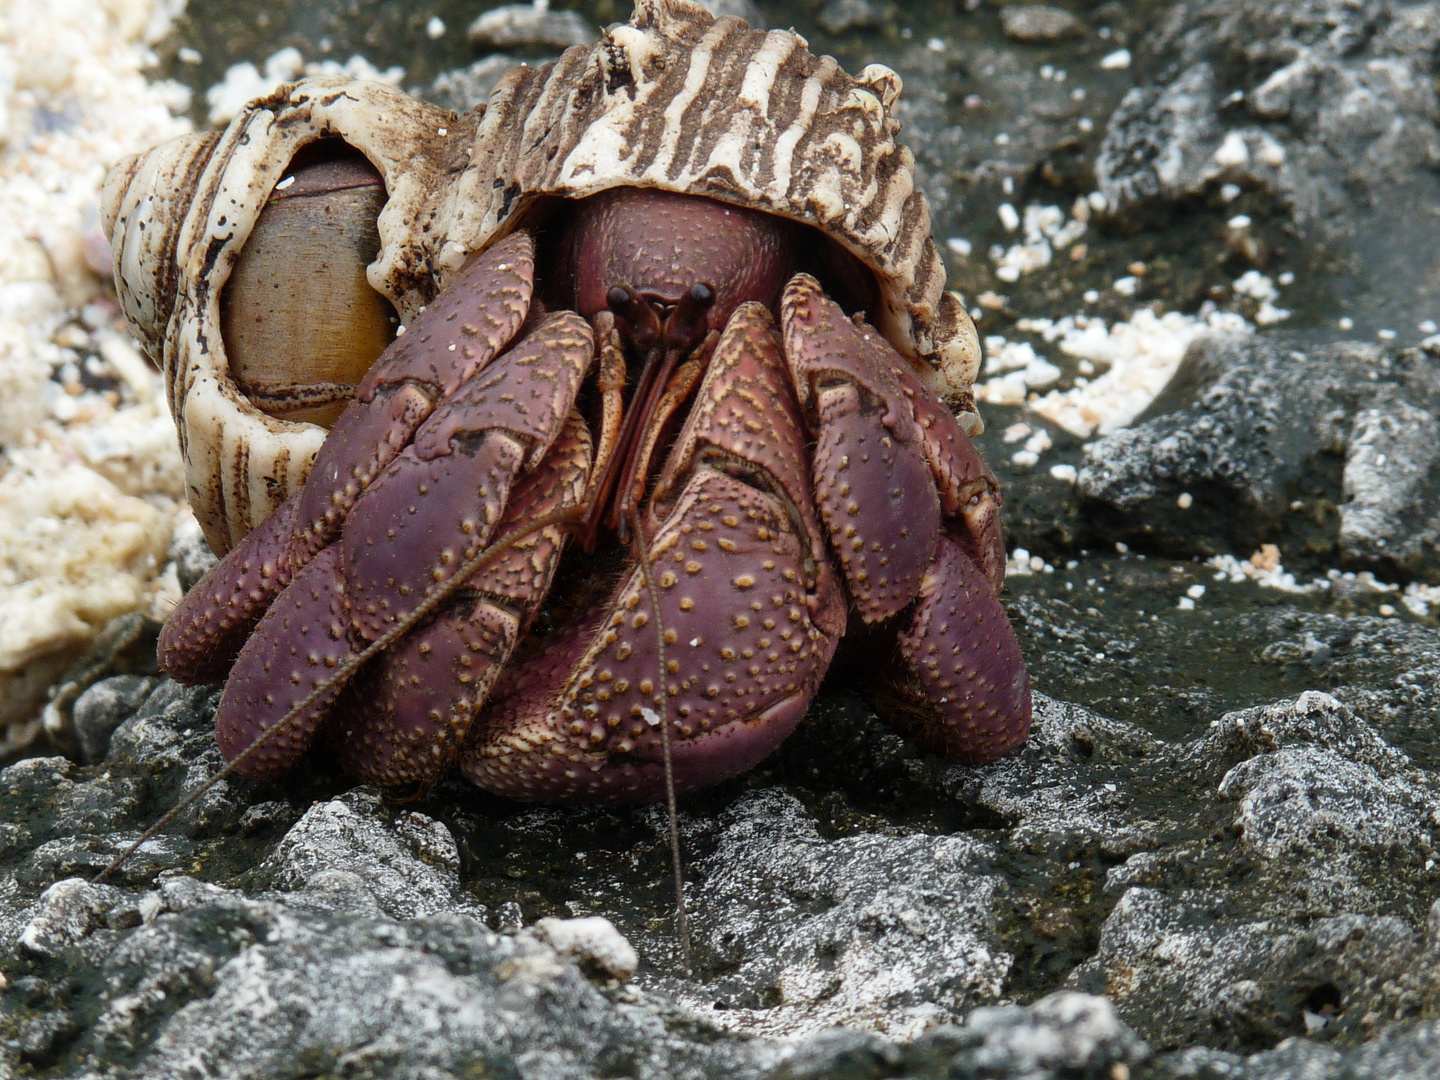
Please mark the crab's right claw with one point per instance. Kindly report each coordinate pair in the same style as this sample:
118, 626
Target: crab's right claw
914, 515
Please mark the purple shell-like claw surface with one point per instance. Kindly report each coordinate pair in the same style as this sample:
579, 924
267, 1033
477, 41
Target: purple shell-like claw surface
404, 719
458, 335
963, 649
298, 646
872, 483
749, 620
204, 634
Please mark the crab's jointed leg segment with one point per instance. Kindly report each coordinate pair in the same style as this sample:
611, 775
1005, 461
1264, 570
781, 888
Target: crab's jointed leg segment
434, 507
298, 645
962, 649
914, 515
969, 494
405, 717
872, 482
205, 632
437, 503
458, 335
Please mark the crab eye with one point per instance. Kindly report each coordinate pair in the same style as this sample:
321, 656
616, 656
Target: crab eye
301, 323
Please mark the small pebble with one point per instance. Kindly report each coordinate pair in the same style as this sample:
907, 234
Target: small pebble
530, 25
1118, 60
1037, 22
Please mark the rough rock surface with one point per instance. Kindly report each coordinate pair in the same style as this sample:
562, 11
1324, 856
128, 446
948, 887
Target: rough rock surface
1328, 107
1336, 105
1331, 447
1037, 22
1097, 859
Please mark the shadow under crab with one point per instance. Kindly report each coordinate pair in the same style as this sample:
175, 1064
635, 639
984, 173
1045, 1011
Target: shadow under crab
660, 372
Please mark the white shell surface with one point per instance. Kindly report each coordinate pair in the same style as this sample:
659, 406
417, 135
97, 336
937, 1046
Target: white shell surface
240, 462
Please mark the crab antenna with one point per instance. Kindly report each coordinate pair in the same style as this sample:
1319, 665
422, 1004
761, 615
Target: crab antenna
682, 924
347, 668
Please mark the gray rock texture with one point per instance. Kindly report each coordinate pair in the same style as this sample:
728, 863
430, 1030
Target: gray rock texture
1328, 108
513, 26
1332, 101
1331, 447
888, 933
1272, 878
1037, 22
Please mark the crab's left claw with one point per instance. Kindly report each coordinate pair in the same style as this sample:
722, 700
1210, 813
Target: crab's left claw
749, 609
914, 516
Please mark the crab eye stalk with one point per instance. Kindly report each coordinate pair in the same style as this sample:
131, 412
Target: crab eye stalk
301, 323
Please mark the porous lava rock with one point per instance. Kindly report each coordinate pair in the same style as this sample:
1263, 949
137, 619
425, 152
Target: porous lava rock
1329, 449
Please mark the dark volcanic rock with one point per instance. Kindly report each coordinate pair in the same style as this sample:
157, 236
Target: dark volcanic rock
1338, 105
841, 16
1328, 107
373, 959
1326, 826
891, 933
1330, 449
104, 707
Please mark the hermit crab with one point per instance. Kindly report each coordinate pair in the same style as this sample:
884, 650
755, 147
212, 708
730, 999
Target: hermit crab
668, 393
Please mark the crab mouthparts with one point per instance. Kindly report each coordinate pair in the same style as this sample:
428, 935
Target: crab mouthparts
666, 332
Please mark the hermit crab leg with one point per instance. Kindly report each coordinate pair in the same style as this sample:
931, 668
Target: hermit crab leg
563, 518
459, 334
432, 510
872, 481
403, 719
960, 645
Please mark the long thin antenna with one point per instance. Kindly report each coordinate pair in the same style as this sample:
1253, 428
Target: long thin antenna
343, 672
682, 924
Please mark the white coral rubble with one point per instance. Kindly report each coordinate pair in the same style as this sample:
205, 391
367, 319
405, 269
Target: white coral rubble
90, 473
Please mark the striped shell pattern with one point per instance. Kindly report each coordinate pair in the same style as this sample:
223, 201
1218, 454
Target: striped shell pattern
676, 100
